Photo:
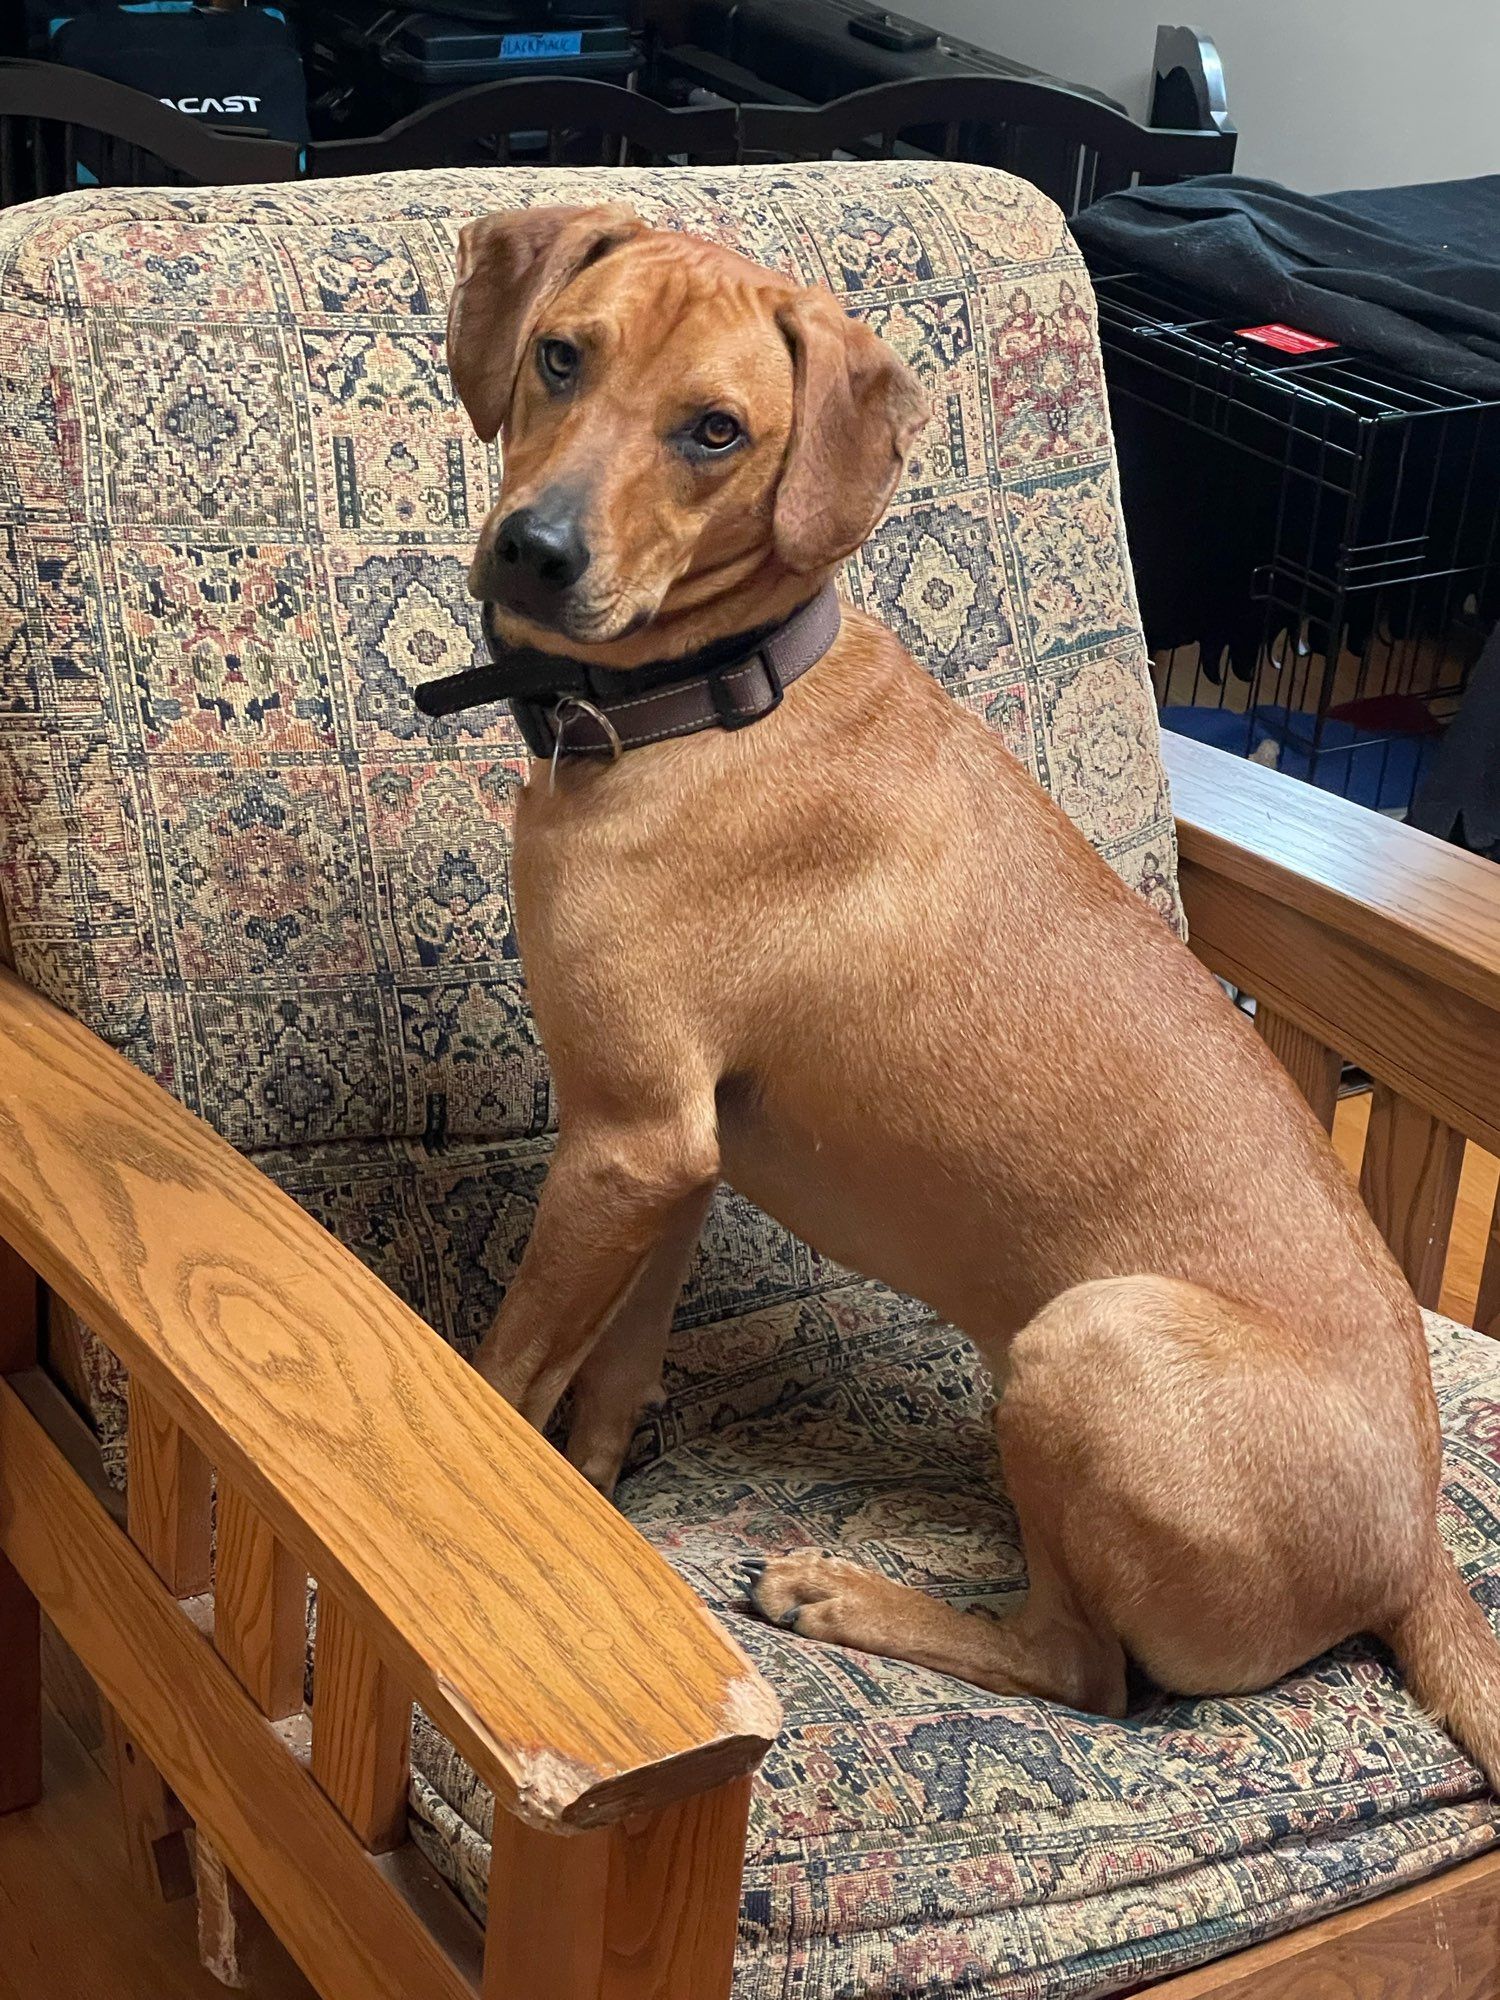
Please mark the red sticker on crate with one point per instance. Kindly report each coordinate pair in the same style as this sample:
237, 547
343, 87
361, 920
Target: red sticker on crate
1290, 339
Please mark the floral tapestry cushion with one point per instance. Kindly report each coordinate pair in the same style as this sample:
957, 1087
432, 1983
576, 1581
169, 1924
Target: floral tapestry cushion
234, 526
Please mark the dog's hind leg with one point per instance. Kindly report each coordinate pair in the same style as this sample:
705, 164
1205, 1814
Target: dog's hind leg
622, 1377
1047, 1648
1194, 1490
1053, 1645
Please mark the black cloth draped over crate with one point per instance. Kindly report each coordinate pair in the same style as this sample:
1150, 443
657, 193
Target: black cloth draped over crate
1410, 274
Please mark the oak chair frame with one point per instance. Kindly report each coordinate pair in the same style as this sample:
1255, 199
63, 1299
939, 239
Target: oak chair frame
462, 1564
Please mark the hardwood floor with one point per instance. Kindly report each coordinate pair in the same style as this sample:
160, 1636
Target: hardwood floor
72, 1924
71, 1921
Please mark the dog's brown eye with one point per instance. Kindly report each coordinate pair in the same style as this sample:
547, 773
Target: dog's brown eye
717, 431
558, 360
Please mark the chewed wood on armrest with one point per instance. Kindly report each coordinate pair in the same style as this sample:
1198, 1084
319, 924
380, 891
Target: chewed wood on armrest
578, 1674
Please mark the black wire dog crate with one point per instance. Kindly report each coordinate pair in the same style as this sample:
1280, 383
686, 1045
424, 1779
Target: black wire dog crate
1316, 538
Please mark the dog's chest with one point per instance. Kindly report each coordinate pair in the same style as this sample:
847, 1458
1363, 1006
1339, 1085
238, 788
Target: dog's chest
608, 882
656, 891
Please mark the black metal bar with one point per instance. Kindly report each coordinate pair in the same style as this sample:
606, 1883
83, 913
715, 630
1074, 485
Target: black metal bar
498, 111
819, 130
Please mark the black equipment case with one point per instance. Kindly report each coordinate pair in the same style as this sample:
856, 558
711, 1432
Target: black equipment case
374, 65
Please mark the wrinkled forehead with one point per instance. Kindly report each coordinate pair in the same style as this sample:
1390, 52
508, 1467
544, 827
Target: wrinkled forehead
668, 309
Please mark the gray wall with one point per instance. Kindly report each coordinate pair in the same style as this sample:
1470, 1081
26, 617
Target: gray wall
1327, 93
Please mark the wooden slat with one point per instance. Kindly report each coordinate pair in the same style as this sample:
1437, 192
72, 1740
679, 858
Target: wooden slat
20, 1693
228, 1922
1434, 1045
20, 1311
167, 1516
1471, 1235
578, 1674
1487, 1310
361, 1730
20, 1615
1314, 1068
1409, 1182
644, 1911
168, 1497
155, 1824
65, 1350
260, 1607
260, 1632
332, 1905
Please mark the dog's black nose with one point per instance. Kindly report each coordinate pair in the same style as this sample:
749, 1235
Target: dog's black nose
541, 549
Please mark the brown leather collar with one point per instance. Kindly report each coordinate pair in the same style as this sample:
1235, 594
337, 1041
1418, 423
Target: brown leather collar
567, 708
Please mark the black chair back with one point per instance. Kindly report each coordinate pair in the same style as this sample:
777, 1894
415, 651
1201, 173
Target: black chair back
1067, 143
62, 128
549, 121
65, 128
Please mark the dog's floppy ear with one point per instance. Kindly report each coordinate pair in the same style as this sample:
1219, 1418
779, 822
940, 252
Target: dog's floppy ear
857, 407
509, 266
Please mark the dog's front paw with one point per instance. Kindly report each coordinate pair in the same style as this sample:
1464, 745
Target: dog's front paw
817, 1596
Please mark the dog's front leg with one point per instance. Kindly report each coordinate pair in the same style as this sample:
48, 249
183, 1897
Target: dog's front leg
612, 1192
621, 1379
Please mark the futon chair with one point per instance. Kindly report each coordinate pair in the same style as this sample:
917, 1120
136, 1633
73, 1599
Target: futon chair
273, 1117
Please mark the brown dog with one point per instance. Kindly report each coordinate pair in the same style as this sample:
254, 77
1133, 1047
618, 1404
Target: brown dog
853, 961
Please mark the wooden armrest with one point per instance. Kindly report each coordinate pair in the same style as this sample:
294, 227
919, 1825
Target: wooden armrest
574, 1669
1373, 936
1422, 902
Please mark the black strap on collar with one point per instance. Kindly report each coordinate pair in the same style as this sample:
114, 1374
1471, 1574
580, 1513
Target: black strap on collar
567, 707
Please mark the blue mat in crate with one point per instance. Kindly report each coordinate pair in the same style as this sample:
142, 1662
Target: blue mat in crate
1374, 770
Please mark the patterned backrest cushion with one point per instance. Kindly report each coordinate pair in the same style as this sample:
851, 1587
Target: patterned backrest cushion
237, 506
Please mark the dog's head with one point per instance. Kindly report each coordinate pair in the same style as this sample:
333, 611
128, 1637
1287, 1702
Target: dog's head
689, 439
